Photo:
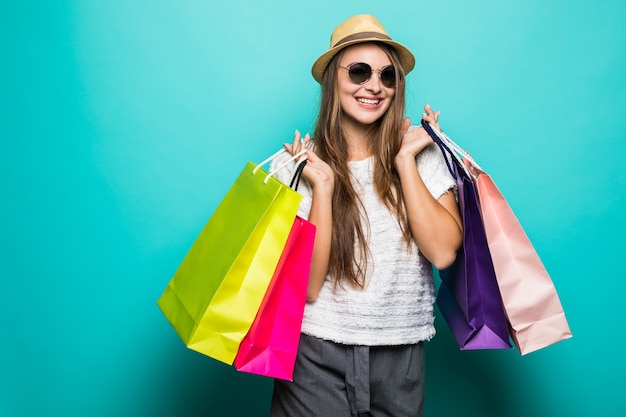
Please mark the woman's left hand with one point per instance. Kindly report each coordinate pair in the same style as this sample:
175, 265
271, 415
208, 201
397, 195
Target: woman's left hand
435, 224
414, 141
431, 116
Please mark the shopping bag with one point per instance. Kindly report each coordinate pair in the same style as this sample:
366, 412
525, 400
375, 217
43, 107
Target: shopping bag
271, 345
535, 314
212, 299
468, 296
534, 311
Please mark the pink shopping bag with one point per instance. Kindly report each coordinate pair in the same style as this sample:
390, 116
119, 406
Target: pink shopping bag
534, 311
271, 345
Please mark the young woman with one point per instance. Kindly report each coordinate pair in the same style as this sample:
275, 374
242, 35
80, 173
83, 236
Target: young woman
385, 210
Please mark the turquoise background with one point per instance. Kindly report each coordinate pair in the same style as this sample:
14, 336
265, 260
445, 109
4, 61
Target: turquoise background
123, 123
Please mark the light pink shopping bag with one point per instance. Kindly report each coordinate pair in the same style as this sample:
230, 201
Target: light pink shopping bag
271, 345
532, 305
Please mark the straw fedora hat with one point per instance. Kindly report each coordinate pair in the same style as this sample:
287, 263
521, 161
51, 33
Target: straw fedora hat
358, 29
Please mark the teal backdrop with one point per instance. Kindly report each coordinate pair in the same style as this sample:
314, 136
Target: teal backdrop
124, 122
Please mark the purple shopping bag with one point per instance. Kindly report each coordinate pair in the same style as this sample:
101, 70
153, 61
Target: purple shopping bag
469, 298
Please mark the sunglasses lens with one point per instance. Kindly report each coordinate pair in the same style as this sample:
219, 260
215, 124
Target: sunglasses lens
360, 72
388, 76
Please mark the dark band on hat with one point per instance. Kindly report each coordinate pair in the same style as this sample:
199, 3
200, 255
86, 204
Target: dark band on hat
362, 35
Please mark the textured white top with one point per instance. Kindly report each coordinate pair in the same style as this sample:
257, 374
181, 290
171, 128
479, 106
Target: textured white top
396, 305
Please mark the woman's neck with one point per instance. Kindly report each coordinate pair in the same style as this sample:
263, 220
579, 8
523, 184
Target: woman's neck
358, 141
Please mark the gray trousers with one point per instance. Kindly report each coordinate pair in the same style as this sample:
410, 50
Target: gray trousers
336, 380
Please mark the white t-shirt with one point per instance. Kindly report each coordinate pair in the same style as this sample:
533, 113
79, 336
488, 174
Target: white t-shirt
396, 305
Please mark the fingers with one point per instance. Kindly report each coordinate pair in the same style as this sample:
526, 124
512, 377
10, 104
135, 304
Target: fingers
311, 156
291, 147
303, 145
431, 116
305, 141
297, 140
299, 143
406, 123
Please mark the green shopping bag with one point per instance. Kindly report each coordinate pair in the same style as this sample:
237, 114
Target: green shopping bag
214, 296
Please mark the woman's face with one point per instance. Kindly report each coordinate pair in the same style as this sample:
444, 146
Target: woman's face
364, 104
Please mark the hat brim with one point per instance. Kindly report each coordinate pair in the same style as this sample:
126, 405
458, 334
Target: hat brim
407, 60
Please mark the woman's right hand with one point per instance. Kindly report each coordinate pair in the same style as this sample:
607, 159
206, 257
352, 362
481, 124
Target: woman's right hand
322, 179
317, 172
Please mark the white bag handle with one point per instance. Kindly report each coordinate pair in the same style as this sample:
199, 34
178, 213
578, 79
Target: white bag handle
276, 155
452, 145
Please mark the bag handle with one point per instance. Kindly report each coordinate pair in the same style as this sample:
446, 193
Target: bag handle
450, 149
448, 154
298, 174
283, 165
449, 144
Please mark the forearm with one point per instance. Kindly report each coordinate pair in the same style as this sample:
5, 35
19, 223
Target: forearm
321, 217
435, 224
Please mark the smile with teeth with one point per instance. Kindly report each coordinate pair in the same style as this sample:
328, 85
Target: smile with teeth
368, 100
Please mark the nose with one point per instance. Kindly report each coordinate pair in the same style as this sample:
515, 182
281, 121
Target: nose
374, 84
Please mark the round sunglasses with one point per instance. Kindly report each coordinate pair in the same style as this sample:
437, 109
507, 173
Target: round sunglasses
360, 73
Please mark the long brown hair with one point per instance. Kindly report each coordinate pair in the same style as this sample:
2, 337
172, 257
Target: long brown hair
385, 136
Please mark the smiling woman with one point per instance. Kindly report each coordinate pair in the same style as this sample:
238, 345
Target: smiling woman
380, 196
123, 124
